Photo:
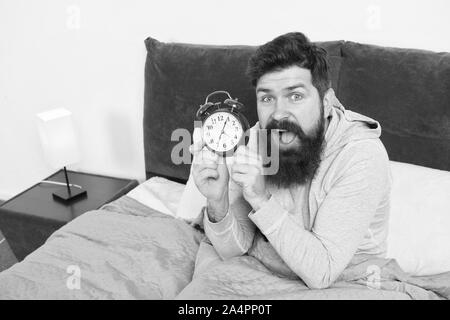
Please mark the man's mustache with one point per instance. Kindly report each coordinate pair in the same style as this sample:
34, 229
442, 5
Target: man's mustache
286, 125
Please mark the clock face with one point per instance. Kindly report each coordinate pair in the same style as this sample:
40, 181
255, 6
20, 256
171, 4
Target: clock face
222, 131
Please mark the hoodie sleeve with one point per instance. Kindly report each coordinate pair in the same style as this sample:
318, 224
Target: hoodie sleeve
233, 235
319, 256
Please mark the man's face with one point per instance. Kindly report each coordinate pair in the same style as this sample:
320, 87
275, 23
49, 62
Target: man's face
289, 95
287, 100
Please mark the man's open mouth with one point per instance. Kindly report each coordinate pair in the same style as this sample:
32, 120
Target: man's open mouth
286, 137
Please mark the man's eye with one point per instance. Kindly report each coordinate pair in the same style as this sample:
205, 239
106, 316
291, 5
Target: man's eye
296, 97
266, 99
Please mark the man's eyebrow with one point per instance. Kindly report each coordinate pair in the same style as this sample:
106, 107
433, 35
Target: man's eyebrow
299, 85
263, 90
290, 88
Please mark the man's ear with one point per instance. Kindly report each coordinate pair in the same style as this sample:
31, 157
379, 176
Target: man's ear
328, 99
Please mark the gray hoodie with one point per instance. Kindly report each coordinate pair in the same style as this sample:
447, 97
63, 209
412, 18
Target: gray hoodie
314, 231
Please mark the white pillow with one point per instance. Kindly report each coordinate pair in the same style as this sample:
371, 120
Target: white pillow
191, 202
169, 197
419, 225
160, 194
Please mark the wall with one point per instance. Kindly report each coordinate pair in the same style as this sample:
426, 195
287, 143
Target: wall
88, 56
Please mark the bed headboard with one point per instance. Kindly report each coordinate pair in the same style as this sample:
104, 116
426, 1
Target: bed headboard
407, 90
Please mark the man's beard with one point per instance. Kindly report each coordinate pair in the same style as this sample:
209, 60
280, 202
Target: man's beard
297, 164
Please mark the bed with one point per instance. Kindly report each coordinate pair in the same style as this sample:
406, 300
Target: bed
140, 247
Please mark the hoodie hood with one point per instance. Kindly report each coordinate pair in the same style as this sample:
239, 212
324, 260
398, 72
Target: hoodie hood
346, 126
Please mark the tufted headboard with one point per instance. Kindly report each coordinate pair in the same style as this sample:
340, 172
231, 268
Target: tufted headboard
406, 90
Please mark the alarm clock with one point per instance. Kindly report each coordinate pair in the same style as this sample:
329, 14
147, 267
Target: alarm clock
223, 123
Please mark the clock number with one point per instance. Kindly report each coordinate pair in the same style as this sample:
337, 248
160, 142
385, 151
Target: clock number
209, 127
224, 145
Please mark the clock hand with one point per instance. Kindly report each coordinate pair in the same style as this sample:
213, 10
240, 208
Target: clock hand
226, 134
223, 128
229, 133
222, 132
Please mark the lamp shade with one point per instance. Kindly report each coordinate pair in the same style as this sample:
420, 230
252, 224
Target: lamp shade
58, 137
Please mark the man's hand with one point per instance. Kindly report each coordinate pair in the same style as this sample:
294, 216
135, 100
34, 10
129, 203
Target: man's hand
247, 171
211, 176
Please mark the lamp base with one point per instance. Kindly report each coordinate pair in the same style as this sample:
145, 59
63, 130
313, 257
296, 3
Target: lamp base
65, 196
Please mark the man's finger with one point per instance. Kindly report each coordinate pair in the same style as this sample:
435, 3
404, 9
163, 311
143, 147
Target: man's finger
198, 142
242, 159
246, 169
206, 165
205, 155
197, 135
208, 173
246, 152
240, 179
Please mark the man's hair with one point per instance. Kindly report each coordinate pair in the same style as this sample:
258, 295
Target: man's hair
291, 49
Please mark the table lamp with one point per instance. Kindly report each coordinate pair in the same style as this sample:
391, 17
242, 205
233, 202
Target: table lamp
60, 146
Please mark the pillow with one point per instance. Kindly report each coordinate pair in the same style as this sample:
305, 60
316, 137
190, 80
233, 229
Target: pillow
191, 202
419, 224
160, 194
407, 91
171, 198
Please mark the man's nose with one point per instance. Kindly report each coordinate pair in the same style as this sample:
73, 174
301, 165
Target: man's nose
280, 111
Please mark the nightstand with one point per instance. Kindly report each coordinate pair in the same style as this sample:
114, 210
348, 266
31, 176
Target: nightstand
29, 218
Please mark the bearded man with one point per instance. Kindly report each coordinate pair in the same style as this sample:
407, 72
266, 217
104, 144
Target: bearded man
328, 204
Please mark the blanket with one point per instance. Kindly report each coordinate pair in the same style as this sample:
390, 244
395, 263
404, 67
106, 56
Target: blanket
245, 277
127, 250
